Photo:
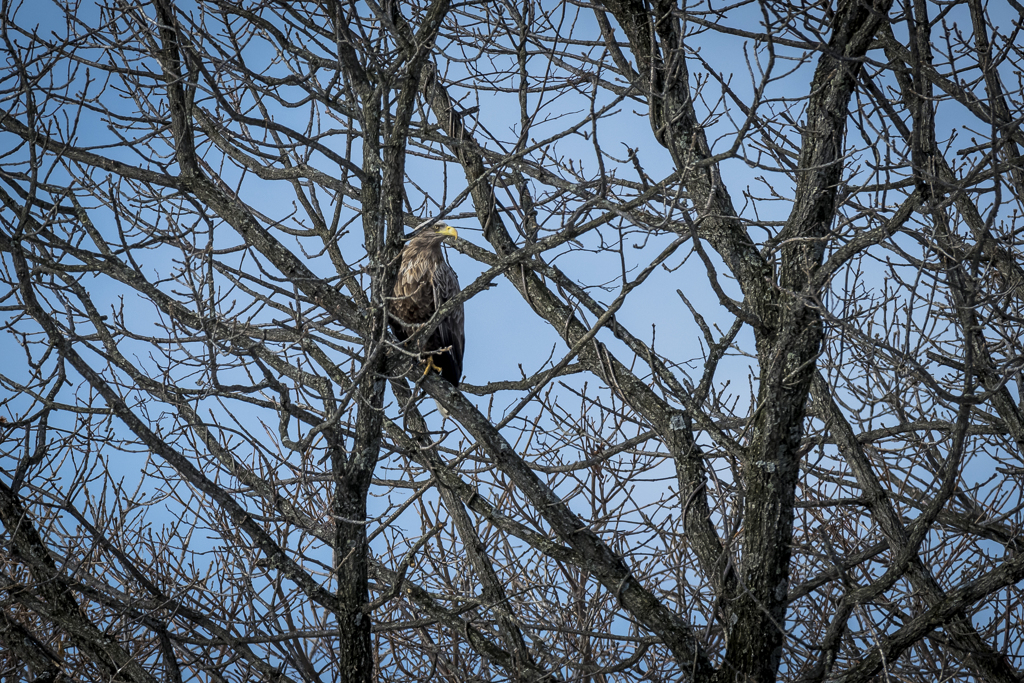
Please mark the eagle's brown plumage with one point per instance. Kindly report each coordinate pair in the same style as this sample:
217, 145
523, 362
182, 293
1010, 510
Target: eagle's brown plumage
425, 281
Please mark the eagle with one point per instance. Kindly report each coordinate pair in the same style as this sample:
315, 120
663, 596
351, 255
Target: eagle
425, 281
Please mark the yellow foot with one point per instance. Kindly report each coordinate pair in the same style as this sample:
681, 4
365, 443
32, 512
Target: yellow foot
430, 366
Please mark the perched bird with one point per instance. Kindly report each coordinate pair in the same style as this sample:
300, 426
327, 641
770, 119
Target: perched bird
425, 281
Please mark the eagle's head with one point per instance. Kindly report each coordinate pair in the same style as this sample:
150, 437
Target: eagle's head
443, 230
432, 236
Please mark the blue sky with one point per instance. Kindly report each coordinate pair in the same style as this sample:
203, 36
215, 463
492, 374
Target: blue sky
504, 337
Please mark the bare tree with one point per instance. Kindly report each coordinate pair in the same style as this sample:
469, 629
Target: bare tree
743, 378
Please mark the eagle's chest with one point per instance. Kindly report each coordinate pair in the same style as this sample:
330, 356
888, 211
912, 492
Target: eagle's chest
413, 301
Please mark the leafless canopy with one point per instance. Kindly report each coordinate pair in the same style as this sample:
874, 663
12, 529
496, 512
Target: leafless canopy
743, 286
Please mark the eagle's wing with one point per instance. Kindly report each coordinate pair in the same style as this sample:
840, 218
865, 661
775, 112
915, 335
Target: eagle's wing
452, 330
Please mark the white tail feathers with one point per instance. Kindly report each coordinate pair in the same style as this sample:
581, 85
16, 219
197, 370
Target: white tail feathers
441, 409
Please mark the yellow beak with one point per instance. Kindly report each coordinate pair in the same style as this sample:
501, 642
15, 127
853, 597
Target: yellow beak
447, 231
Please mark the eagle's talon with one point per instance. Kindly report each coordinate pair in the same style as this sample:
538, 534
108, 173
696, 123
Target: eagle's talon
430, 366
